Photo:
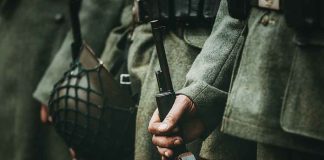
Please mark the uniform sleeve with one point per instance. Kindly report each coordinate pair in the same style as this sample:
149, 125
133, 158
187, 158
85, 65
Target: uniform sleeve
97, 18
208, 80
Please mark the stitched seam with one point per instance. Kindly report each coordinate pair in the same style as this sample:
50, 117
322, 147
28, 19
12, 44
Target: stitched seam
196, 95
227, 58
287, 95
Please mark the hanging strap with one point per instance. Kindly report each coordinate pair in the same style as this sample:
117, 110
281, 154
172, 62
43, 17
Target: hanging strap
75, 6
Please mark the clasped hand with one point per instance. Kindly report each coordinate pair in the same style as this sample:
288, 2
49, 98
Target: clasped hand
164, 133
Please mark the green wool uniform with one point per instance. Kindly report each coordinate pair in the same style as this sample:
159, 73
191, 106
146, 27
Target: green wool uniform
207, 84
277, 89
182, 52
275, 97
31, 31
97, 18
142, 63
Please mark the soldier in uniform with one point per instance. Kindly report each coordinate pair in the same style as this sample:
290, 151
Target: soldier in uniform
198, 93
184, 40
31, 32
204, 95
275, 98
277, 88
98, 17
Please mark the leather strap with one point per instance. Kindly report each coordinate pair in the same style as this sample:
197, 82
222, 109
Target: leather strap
172, 12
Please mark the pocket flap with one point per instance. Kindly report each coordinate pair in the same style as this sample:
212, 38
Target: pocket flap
303, 110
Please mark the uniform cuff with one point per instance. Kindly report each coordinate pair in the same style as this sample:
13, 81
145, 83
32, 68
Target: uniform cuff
209, 101
54, 73
42, 96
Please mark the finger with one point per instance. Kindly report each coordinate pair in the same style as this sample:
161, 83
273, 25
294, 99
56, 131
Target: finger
153, 129
179, 107
44, 114
165, 152
155, 118
72, 153
164, 158
154, 122
166, 142
171, 119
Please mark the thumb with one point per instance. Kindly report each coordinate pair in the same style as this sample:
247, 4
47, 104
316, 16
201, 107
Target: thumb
72, 153
44, 114
179, 107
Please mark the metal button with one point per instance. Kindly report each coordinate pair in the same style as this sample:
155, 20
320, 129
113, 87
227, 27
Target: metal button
272, 21
59, 18
265, 20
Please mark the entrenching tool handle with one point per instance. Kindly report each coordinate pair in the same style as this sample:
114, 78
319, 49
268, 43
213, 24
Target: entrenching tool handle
75, 6
166, 96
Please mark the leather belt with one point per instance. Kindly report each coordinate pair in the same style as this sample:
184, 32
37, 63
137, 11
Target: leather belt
177, 26
143, 12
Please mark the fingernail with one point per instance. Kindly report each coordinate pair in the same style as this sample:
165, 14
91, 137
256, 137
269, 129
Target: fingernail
50, 119
166, 154
177, 142
163, 126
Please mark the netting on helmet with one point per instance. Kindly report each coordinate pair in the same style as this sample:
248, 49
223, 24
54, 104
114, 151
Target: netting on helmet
86, 112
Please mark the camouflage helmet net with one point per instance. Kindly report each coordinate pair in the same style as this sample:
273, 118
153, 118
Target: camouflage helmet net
89, 111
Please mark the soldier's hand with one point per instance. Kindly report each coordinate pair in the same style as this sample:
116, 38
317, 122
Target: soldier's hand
164, 136
45, 118
73, 154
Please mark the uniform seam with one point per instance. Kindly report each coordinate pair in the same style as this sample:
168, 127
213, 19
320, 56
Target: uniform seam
227, 58
198, 94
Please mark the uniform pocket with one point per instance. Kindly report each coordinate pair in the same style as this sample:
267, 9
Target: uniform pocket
302, 111
315, 39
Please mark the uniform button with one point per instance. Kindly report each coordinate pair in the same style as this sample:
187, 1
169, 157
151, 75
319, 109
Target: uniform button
265, 20
272, 21
59, 18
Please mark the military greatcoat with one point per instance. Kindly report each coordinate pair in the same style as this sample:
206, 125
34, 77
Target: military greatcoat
31, 31
275, 98
181, 52
276, 94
